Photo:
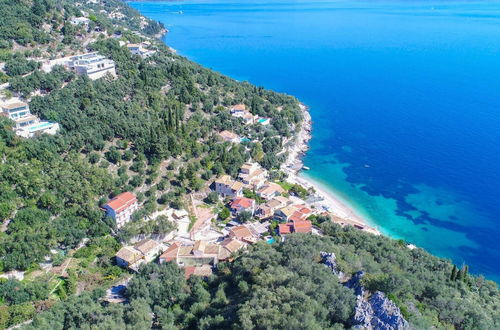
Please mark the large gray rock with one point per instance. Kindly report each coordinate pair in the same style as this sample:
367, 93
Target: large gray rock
386, 315
330, 261
377, 312
355, 284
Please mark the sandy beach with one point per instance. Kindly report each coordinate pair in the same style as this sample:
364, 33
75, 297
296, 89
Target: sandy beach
341, 212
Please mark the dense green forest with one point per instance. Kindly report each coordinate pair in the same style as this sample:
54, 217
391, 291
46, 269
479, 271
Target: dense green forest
115, 134
285, 286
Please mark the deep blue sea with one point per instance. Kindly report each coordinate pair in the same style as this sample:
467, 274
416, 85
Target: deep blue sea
404, 96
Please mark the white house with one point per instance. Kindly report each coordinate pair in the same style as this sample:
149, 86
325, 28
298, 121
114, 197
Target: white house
139, 49
93, 65
270, 190
79, 21
252, 175
226, 186
121, 208
238, 110
27, 124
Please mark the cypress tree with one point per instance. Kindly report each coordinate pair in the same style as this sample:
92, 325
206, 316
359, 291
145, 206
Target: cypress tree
459, 276
453, 276
465, 273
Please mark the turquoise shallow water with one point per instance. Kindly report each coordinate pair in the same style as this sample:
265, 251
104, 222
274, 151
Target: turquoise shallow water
404, 95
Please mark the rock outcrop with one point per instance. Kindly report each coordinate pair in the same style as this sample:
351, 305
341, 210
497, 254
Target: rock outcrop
374, 311
386, 315
330, 261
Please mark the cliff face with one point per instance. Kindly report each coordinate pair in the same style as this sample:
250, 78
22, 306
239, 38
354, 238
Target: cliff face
372, 311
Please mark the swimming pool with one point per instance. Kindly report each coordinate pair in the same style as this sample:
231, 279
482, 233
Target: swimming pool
39, 126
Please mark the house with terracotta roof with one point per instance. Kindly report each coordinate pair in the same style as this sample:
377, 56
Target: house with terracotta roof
232, 245
238, 110
242, 204
244, 234
170, 253
248, 118
270, 190
264, 211
148, 248
127, 256
201, 253
203, 271
302, 226
133, 256
298, 226
229, 136
121, 208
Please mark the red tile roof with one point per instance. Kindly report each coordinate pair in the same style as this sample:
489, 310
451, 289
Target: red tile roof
297, 216
302, 226
242, 203
188, 271
171, 253
239, 107
122, 202
241, 232
285, 228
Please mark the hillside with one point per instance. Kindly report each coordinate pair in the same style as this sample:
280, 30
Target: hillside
286, 286
156, 126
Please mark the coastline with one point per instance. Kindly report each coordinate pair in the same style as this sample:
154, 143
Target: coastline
325, 198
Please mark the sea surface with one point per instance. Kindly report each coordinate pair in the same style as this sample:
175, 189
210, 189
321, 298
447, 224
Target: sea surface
404, 96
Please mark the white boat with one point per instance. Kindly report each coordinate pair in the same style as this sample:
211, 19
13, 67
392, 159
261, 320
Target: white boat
305, 168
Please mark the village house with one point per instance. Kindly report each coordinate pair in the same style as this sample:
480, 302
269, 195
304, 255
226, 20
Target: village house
232, 245
202, 227
201, 253
230, 137
252, 175
270, 190
121, 208
244, 234
248, 118
241, 111
133, 256
79, 21
264, 211
149, 249
242, 204
203, 271
93, 65
227, 187
285, 213
127, 256
267, 210
298, 226
26, 124
140, 49
238, 110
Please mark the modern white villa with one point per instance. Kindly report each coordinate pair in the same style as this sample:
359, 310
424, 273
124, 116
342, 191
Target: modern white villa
27, 124
93, 65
